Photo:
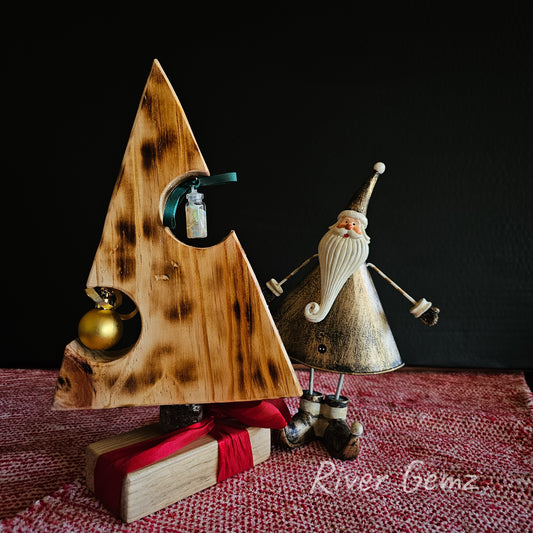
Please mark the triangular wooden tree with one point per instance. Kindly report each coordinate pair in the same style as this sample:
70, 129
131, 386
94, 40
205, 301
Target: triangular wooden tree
207, 335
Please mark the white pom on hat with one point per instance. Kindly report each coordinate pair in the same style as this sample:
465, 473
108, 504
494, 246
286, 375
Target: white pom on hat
379, 168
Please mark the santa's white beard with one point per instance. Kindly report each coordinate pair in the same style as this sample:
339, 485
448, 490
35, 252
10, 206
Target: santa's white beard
339, 257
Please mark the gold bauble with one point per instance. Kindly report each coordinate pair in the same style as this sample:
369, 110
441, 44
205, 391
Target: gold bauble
100, 329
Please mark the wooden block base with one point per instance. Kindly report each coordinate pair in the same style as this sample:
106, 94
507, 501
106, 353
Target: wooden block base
190, 470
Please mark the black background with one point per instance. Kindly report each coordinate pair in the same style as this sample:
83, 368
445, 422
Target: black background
301, 106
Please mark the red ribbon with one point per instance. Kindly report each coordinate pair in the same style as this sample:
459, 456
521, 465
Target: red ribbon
235, 450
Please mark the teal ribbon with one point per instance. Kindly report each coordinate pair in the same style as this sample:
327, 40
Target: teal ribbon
176, 196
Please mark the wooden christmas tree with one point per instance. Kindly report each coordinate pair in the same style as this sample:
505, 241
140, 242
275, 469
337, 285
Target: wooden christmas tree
207, 335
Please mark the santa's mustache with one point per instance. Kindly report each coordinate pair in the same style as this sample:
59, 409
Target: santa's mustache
340, 254
343, 232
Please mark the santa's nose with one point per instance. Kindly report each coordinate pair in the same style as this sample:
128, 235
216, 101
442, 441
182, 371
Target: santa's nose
353, 226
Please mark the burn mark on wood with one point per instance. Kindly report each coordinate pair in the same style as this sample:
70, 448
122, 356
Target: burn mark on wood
164, 349
125, 266
273, 371
147, 377
153, 374
237, 310
126, 230
220, 275
172, 313
258, 378
148, 228
167, 140
249, 316
131, 384
180, 311
153, 377
185, 307
86, 367
241, 375
149, 154
63, 383
156, 76
147, 104
187, 372
152, 149
242, 379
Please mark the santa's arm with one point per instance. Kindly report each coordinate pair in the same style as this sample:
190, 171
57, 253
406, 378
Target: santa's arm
421, 309
275, 286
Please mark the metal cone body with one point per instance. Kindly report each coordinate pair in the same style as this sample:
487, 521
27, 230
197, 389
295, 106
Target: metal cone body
354, 338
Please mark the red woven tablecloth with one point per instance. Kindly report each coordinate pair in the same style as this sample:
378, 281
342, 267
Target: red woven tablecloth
443, 451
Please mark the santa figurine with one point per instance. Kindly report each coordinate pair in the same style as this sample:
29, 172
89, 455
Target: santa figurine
333, 321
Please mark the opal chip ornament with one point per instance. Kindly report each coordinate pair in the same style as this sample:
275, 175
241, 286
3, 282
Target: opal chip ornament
195, 215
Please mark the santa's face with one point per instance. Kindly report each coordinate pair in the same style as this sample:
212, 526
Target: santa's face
342, 250
350, 223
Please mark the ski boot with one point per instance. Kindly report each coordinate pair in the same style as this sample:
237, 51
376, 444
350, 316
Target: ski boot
341, 440
301, 429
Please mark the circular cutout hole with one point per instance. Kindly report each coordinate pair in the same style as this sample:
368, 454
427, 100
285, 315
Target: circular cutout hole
111, 328
221, 213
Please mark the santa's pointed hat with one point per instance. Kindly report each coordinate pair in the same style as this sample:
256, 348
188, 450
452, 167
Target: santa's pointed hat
358, 205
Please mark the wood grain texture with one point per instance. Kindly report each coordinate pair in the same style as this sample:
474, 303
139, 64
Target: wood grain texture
354, 338
207, 334
191, 469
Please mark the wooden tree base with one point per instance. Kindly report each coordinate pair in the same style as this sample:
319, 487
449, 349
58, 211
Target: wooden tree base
190, 470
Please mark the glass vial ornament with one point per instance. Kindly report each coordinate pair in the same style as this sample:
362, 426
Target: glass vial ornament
195, 215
